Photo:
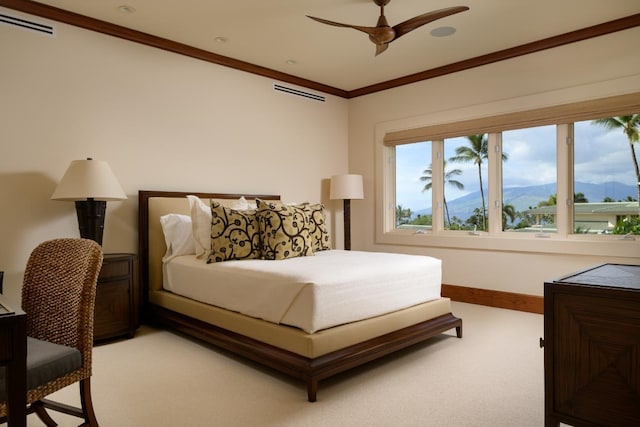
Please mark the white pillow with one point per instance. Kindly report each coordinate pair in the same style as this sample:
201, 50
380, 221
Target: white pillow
201, 222
177, 235
201, 225
242, 205
248, 205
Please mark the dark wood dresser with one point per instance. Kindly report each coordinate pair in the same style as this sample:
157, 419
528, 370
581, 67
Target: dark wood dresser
592, 347
117, 298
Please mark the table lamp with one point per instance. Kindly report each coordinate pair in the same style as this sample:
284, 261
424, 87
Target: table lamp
346, 187
90, 183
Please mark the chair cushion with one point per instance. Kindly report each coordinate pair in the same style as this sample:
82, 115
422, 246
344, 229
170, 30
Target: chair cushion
45, 362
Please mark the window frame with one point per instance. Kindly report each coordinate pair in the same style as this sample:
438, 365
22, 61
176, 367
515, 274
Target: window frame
564, 241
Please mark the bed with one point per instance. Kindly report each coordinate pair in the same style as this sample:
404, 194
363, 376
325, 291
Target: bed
309, 348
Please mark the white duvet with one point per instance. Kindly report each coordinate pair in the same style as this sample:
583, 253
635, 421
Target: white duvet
314, 292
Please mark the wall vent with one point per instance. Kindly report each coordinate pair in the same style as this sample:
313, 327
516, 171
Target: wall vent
297, 92
27, 25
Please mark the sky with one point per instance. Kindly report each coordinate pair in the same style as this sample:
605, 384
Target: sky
600, 155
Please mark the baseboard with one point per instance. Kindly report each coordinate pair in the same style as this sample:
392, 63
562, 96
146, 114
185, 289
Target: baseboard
491, 298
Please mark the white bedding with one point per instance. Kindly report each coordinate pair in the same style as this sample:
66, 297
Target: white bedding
312, 293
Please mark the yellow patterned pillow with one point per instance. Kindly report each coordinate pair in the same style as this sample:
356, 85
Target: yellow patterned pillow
318, 230
235, 234
284, 230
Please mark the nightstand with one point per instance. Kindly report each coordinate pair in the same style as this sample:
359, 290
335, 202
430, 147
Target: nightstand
117, 298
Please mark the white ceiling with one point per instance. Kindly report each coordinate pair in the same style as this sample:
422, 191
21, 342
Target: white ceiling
272, 33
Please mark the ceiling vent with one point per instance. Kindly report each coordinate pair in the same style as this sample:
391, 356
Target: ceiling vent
297, 92
26, 24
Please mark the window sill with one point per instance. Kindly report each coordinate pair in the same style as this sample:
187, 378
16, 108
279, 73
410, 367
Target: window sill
549, 243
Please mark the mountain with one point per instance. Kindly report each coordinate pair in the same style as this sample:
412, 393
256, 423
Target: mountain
524, 197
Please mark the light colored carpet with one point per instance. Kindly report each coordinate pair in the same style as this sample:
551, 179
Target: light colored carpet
491, 377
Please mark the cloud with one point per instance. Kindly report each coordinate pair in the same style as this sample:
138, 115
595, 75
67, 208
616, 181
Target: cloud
601, 155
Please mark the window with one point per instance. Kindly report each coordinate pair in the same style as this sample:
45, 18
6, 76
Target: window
529, 179
464, 168
413, 185
465, 179
604, 178
517, 176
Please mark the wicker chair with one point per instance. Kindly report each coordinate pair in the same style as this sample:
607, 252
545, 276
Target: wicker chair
58, 295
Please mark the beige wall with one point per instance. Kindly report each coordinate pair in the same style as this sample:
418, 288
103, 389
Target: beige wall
162, 121
581, 71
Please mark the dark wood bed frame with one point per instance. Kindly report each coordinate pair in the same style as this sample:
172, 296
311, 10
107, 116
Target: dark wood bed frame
310, 370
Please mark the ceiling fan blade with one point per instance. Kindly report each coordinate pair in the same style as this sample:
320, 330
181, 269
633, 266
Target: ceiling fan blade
368, 30
420, 20
381, 48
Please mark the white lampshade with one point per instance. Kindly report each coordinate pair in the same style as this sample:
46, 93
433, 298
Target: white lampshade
346, 187
86, 179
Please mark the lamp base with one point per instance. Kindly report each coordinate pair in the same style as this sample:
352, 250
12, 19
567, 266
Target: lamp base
91, 215
347, 224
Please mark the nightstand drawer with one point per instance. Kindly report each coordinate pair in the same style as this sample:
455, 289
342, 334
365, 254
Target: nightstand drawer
117, 311
113, 315
115, 268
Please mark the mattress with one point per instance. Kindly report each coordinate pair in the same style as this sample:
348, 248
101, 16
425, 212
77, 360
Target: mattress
311, 293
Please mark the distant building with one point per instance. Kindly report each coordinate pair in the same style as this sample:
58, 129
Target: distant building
589, 217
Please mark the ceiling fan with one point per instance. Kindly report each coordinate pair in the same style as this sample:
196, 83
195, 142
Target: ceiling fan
383, 34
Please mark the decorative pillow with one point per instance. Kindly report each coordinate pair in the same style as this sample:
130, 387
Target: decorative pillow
284, 230
201, 222
178, 236
234, 234
318, 230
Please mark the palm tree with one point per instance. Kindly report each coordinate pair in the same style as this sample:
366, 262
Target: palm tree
427, 178
508, 211
629, 126
476, 152
402, 215
476, 219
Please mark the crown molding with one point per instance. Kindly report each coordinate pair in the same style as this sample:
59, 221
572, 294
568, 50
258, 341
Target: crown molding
92, 24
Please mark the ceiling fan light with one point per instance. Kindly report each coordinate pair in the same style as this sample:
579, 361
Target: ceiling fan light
126, 9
